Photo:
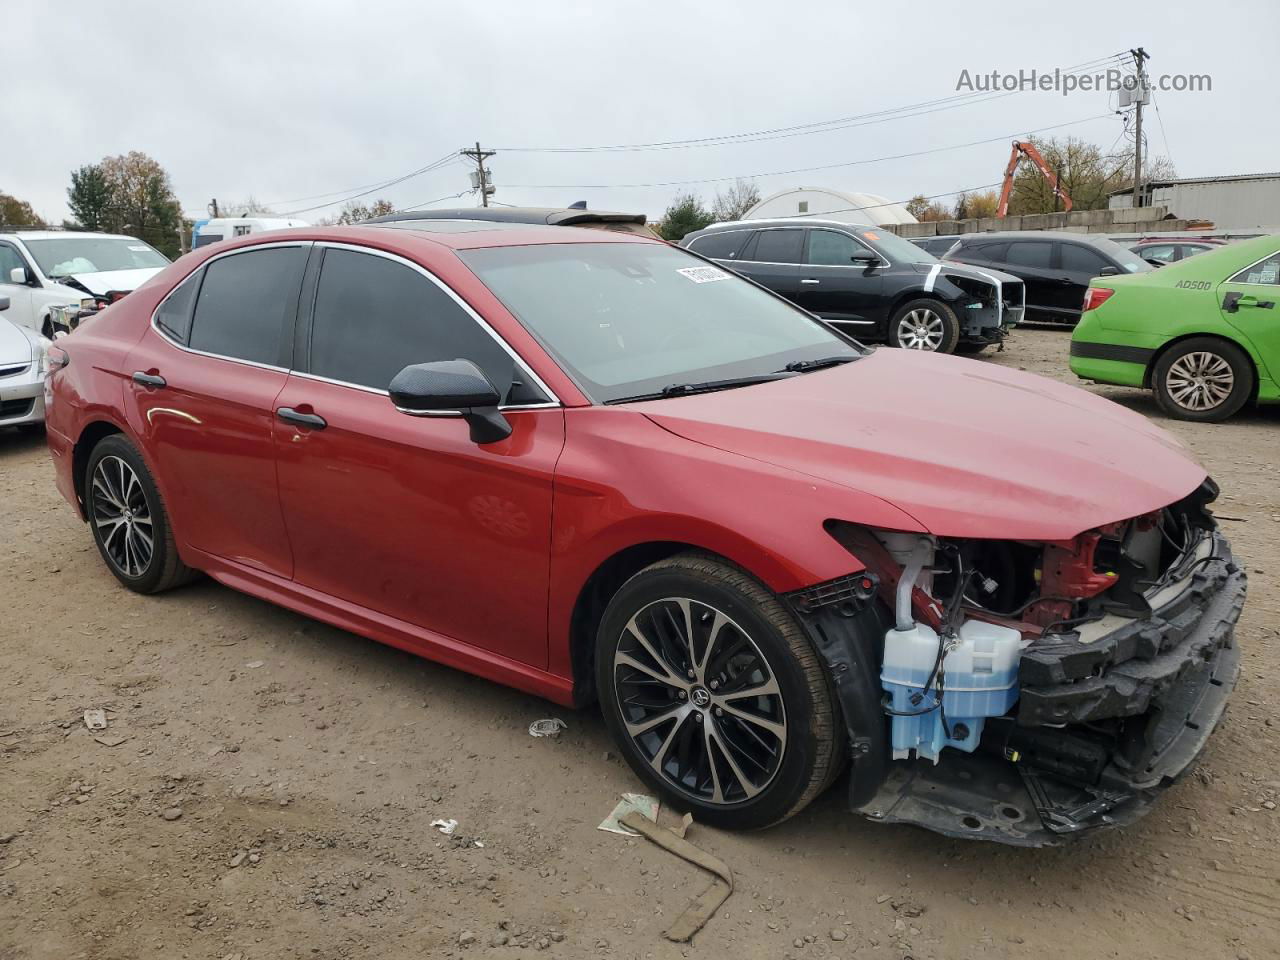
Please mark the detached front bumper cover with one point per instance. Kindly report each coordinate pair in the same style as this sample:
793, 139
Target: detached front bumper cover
1163, 681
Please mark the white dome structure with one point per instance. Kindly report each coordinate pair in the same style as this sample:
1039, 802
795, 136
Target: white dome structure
830, 204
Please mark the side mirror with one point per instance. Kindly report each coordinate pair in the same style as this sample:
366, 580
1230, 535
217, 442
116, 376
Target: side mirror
865, 256
4, 303
1109, 272
451, 388
18, 275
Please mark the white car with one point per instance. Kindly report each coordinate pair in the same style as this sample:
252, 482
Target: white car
44, 269
23, 361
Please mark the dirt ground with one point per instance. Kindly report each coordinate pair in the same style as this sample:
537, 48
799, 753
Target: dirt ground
273, 793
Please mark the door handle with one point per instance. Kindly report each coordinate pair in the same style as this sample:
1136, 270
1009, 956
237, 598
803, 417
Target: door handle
1248, 300
310, 420
151, 380
810, 280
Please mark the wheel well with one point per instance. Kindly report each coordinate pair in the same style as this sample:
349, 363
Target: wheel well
907, 296
595, 596
1147, 377
89, 438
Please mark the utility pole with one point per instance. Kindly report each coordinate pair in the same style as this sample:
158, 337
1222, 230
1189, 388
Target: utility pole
213, 207
1139, 56
480, 156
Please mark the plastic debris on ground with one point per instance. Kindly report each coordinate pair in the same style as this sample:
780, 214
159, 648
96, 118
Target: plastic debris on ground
702, 907
95, 719
445, 826
547, 728
639, 803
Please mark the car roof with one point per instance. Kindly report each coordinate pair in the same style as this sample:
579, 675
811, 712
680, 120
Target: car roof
455, 235
785, 222
61, 235
1088, 238
554, 216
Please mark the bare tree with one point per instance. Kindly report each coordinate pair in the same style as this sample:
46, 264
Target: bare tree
734, 202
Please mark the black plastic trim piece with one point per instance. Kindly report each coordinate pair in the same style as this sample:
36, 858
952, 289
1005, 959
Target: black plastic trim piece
1111, 351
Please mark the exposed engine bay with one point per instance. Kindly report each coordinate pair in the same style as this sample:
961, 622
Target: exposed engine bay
1022, 691
987, 306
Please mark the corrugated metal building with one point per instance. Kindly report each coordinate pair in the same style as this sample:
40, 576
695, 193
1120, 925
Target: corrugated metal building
1236, 202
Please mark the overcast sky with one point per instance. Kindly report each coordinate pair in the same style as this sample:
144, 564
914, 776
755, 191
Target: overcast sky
286, 100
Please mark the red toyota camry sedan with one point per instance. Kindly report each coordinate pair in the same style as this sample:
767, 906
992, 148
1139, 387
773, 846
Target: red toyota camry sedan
597, 467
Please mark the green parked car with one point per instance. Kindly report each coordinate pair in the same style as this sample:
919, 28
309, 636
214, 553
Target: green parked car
1203, 333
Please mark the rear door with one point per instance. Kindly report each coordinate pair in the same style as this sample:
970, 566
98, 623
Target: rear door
405, 515
205, 377
1079, 263
1033, 261
1250, 302
772, 259
838, 290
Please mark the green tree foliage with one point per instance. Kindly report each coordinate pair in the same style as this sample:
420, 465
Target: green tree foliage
17, 213
89, 197
685, 215
973, 206
1086, 173
357, 212
924, 209
129, 194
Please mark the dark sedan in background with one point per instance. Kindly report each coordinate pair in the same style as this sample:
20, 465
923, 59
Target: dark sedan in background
1056, 267
868, 282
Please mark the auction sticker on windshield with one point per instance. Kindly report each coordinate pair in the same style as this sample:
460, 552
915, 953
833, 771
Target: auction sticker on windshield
703, 274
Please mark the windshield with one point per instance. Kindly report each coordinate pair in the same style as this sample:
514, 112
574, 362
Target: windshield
1128, 260
66, 256
894, 247
627, 319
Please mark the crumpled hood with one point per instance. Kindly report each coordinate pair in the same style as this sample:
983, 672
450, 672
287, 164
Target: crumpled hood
965, 270
967, 448
15, 348
126, 280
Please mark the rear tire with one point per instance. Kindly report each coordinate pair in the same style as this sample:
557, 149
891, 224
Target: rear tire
925, 324
1203, 379
128, 519
677, 647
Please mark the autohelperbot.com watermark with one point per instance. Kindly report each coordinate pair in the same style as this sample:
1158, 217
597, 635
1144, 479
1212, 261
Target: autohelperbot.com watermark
1066, 82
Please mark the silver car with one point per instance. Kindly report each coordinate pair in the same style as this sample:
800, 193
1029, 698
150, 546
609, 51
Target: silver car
23, 359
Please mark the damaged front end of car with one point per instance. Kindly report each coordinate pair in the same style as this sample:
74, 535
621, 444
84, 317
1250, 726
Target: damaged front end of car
1025, 692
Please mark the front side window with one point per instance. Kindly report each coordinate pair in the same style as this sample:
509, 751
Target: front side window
894, 248
626, 319
373, 317
1129, 261
1265, 272
1036, 254
1082, 260
247, 303
10, 260
778, 246
830, 249
67, 256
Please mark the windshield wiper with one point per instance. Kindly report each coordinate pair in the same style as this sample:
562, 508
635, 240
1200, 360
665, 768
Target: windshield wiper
804, 366
706, 386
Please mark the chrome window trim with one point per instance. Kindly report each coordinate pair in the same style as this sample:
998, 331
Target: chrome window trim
514, 407
1246, 283
466, 307
883, 260
218, 256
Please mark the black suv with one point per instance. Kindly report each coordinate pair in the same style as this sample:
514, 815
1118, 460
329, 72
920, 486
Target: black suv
870, 283
1056, 267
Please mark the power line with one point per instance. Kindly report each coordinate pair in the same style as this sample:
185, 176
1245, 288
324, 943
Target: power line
434, 165
781, 173
427, 203
819, 126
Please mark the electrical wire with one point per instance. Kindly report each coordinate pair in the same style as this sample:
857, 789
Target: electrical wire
427, 203
819, 126
434, 165
796, 170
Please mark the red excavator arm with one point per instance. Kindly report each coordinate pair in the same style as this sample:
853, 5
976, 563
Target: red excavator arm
1023, 148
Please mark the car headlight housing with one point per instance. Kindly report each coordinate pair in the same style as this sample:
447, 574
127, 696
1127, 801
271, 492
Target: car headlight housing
42, 355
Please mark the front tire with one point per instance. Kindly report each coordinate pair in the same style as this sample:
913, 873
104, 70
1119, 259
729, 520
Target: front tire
927, 325
128, 519
1203, 379
714, 694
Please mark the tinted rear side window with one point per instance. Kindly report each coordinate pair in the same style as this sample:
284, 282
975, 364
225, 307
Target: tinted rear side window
174, 315
374, 317
985, 251
725, 245
778, 246
1034, 254
247, 304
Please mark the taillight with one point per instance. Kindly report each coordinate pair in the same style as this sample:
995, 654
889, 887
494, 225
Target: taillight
1095, 297
58, 358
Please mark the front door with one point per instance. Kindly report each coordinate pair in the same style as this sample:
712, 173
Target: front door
772, 259
405, 515
838, 290
20, 309
204, 380
1033, 261
1250, 302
